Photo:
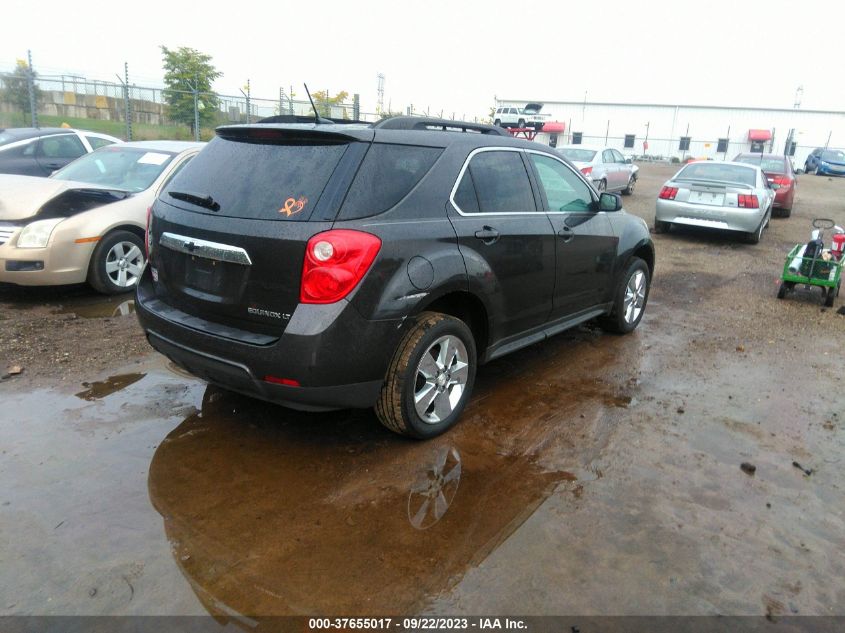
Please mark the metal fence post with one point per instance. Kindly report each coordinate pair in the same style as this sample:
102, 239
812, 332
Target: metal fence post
196, 114
128, 104
30, 84
356, 106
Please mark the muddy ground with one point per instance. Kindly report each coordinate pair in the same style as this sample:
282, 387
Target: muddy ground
590, 475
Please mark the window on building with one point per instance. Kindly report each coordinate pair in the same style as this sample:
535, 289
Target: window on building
684, 144
757, 147
553, 140
629, 140
790, 150
576, 138
722, 146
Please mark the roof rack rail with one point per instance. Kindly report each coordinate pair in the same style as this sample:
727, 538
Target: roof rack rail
295, 118
444, 125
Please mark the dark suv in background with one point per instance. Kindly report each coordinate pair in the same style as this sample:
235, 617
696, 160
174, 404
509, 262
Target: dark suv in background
326, 266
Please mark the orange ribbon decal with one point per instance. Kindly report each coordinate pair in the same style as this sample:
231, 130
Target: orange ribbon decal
292, 207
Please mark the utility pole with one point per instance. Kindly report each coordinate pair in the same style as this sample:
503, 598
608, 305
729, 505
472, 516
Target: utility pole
196, 108
30, 84
380, 101
246, 96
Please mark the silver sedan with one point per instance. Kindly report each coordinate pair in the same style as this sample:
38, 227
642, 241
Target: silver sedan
604, 166
733, 197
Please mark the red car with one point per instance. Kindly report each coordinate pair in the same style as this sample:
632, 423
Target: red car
778, 170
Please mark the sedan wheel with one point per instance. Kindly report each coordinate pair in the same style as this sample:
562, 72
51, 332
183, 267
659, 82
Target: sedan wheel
632, 182
601, 186
117, 263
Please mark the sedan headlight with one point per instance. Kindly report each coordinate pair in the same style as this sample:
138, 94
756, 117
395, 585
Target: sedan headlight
37, 234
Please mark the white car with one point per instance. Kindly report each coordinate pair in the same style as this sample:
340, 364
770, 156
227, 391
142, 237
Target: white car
86, 222
529, 116
41, 151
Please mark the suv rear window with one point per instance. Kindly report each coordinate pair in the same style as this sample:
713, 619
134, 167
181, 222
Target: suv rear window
387, 174
261, 181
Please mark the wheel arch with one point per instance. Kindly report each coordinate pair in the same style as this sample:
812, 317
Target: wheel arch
467, 307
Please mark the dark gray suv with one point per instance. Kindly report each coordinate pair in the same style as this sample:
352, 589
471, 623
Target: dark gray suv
326, 266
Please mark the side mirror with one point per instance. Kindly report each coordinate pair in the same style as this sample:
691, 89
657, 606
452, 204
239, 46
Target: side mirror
610, 202
628, 161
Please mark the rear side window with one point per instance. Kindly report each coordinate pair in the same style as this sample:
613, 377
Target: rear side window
96, 142
257, 180
387, 174
501, 183
63, 146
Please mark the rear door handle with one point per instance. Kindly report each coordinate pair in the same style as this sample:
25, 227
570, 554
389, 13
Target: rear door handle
566, 233
488, 235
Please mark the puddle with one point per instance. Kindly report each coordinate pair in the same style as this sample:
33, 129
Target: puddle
118, 306
112, 384
270, 511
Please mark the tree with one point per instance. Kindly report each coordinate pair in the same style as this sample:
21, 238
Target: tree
16, 87
185, 70
324, 102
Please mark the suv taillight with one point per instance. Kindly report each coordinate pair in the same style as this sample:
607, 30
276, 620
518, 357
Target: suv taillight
668, 193
335, 261
148, 238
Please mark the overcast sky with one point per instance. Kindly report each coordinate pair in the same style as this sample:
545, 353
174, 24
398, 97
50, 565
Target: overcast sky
456, 56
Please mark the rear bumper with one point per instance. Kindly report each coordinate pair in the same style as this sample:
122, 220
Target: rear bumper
338, 358
784, 198
727, 219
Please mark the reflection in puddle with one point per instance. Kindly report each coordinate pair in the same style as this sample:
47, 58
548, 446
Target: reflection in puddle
112, 384
432, 493
118, 306
272, 512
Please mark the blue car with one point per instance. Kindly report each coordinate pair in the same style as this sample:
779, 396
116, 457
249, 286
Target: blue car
825, 162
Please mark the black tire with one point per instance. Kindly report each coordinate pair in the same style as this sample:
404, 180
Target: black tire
98, 276
784, 213
520, 123
829, 296
616, 321
754, 238
395, 407
632, 182
782, 290
497, 123
661, 227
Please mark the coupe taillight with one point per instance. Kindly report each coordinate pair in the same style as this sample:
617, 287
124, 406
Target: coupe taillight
668, 193
783, 181
586, 170
747, 201
148, 238
335, 261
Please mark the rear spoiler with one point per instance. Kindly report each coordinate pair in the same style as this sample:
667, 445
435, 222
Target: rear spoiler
295, 133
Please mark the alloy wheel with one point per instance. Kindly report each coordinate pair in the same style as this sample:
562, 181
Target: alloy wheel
124, 264
441, 379
634, 296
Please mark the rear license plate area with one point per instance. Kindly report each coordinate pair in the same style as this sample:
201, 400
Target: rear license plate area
707, 197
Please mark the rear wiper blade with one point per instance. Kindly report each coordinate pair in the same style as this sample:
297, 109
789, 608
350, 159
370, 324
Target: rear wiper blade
195, 198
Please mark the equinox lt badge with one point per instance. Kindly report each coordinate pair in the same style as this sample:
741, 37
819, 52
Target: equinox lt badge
268, 313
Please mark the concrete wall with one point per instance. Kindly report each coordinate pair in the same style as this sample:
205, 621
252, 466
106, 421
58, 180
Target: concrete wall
72, 104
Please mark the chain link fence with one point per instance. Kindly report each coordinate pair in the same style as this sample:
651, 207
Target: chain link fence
134, 112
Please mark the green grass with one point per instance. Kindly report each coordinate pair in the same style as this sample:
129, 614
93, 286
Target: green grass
140, 131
